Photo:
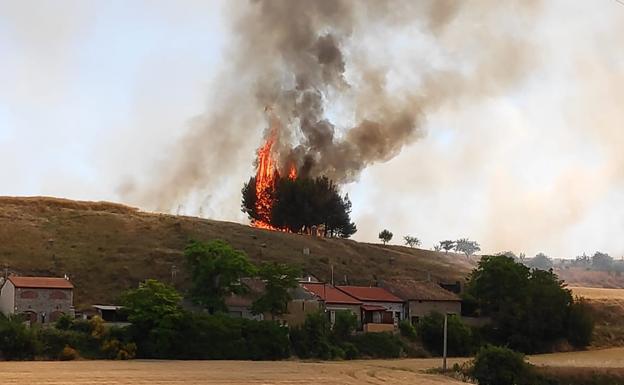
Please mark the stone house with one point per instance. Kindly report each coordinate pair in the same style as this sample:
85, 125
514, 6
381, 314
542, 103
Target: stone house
423, 297
38, 299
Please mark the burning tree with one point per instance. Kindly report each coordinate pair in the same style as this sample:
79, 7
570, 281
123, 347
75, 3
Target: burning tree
299, 205
278, 197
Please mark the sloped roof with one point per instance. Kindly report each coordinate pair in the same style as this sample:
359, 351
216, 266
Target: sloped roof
330, 294
256, 289
373, 294
413, 290
41, 282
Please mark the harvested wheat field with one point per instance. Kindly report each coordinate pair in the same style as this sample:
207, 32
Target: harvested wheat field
399, 372
220, 372
606, 358
592, 293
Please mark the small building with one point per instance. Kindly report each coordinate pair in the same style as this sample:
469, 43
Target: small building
423, 298
38, 299
381, 310
334, 300
301, 304
111, 314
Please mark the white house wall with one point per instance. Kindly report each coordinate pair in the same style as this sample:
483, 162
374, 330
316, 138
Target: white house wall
7, 298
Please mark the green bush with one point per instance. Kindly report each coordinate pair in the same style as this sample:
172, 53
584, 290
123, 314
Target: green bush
344, 326
495, 365
431, 330
265, 340
17, 341
378, 345
580, 324
312, 339
64, 322
408, 330
350, 350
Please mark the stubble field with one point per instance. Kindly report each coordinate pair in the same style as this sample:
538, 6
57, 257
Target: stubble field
399, 372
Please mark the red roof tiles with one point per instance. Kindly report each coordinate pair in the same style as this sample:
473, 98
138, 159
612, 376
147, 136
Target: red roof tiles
41, 282
370, 294
330, 294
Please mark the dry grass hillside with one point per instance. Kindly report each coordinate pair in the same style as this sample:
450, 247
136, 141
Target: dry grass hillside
107, 247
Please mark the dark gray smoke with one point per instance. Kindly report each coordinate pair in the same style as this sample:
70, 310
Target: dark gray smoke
297, 58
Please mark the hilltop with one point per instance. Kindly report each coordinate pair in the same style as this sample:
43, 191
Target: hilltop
106, 248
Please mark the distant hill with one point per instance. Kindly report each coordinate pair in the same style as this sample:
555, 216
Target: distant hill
106, 248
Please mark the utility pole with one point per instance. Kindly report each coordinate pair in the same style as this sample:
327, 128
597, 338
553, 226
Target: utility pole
445, 340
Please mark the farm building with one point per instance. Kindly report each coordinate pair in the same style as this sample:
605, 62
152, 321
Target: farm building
301, 304
423, 297
38, 299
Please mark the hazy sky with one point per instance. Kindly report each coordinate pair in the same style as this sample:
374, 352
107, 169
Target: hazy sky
95, 97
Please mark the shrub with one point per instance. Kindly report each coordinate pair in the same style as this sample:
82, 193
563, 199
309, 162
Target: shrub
265, 340
344, 326
408, 330
17, 341
431, 331
64, 322
115, 350
495, 365
378, 345
312, 339
580, 324
350, 350
68, 354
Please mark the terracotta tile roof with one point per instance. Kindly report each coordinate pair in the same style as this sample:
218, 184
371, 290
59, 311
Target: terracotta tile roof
413, 290
373, 294
41, 282
330, 294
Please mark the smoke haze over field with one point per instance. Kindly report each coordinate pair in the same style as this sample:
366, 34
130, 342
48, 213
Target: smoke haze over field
498, 121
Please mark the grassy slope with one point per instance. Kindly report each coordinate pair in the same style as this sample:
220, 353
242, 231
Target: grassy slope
107, 247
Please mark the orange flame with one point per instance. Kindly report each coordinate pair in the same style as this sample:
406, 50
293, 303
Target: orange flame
265, 183
266, 176
292, 174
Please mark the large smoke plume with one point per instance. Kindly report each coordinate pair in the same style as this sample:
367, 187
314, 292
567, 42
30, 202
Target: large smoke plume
305, 63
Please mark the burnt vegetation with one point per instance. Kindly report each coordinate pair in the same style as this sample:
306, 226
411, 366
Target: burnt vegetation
304, 205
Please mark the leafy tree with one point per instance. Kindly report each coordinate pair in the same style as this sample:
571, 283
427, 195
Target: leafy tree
411, 241
601, 261
216, 269
541, 261
447, 245
385, 236
530, 309
437, 247
279, 279
431, 331
466, 246
151, 303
